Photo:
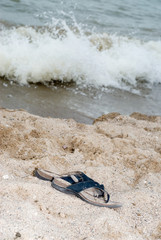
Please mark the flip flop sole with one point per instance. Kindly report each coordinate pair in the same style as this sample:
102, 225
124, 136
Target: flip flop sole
108, 205
48, 175
42, 175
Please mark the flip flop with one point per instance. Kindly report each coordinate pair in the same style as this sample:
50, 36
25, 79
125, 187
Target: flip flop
87, 191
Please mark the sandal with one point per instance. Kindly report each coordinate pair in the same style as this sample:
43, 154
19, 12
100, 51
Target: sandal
80, 185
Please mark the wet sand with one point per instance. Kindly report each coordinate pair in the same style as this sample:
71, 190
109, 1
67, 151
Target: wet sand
122, 152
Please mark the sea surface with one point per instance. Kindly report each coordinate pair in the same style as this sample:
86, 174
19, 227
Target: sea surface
80, 59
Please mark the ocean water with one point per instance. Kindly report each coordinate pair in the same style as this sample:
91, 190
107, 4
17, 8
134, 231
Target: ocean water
80, 59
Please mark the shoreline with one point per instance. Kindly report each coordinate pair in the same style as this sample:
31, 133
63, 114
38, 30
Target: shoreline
81, 105
122, 152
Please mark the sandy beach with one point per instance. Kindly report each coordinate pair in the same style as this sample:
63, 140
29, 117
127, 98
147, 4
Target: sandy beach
122, 152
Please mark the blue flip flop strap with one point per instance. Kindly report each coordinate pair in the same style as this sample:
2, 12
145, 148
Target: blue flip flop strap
80, 186
80, 177
69, 179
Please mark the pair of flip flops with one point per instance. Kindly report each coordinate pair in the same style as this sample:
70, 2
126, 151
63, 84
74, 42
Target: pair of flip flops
79, 184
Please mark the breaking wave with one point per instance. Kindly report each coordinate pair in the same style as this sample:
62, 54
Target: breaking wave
59, 52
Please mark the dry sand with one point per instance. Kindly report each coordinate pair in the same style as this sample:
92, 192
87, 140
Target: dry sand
122, 152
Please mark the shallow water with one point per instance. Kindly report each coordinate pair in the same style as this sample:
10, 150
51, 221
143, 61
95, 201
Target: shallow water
83, 106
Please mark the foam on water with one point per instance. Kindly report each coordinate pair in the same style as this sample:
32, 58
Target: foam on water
58, 52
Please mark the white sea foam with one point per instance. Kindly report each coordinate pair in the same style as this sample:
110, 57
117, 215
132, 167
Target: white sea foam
30, 55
